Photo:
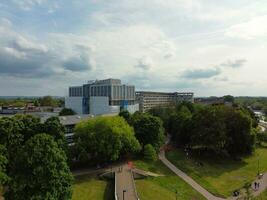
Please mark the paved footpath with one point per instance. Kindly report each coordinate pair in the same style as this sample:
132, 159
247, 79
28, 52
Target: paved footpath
125, 182
187, 178
263, 185
203, 191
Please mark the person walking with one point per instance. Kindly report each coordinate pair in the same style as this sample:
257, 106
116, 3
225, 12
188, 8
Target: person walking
255, 185
258, 185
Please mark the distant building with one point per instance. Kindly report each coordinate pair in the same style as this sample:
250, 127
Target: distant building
148, 100
101, 97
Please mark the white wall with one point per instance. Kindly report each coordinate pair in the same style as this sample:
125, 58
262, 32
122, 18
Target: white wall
74, 103
100, 105
133, 108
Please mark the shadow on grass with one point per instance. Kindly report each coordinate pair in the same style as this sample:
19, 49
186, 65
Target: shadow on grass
211, 166
109, 191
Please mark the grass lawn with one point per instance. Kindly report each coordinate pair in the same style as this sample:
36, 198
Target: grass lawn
263, 196
162, 188
90, 187
221, 176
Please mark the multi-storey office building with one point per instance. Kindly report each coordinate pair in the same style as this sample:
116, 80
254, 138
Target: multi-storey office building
148, 100
101, 97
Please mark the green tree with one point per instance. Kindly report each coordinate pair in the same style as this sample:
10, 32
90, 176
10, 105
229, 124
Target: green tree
126, 115
229, 98
150, 153
180, 126
208, 130
66, 112
47, 101
240, 137
149, 130
104, 139
53, 127
43, 172
261, 137
3, 164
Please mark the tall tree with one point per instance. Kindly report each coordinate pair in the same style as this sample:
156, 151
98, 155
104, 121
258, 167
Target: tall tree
208, 130
239, 132
53, 127
104, 139
3, 164
180, 126
149, 130
43, 172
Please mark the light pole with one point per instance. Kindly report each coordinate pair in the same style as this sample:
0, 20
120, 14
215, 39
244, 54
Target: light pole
176, 194
258, 164
123, 194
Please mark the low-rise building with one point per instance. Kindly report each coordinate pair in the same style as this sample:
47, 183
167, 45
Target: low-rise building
148, 100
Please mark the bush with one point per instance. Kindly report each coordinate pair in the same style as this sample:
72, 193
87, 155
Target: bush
150, 153
66, 111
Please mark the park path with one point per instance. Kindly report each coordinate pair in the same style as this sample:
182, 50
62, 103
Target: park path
203, 191
124, 183
187, 178
263, 185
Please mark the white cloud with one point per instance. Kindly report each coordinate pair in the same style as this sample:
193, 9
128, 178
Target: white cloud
254, 28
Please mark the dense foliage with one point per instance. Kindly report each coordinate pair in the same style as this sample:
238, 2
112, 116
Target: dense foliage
66, 112
150, 153
42, 101
104, 139
222, 129
18, 136
43, 171
256, 103
148, 129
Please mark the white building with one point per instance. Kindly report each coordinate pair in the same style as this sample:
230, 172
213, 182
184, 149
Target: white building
102, 97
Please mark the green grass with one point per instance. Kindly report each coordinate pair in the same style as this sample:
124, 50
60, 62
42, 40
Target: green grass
90, 187
221, 176
263, 196
162, 188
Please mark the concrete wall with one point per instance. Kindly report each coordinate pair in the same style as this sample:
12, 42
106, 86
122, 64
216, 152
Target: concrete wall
74, 103
133, 108
100, 105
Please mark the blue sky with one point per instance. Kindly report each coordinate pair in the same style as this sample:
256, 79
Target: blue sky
205, 46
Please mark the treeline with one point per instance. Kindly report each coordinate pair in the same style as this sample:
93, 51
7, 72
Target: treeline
41, 101
256, 103
33, 159
105, 139
222, 130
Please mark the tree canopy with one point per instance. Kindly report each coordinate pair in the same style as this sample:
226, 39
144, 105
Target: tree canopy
20, 148
104, 139
43, 172
66, 112
148, 129
222, 129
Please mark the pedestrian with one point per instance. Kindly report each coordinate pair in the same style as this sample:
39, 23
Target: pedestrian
258, 184
255, 184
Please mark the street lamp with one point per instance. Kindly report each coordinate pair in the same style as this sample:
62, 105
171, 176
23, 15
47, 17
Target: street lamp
123, 194
258, 164
176, 194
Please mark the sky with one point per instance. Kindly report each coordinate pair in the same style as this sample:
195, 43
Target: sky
211, 48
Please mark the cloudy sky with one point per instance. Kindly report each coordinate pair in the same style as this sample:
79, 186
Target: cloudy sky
205, 46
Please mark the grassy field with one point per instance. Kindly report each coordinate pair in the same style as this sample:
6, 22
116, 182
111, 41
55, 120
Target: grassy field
162, 188
263, 196
221, 176
90, 187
